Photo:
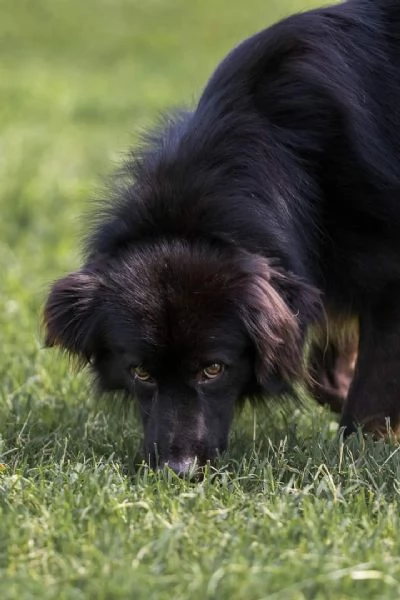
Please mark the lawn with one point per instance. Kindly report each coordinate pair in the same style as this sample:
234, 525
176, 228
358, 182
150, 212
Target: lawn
291, 513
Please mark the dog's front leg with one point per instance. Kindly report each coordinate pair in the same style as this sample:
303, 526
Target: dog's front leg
374, 396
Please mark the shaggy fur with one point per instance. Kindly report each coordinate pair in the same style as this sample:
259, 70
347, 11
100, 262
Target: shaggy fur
269, 214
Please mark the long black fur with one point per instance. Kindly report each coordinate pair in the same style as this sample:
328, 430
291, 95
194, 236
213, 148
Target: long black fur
280, 193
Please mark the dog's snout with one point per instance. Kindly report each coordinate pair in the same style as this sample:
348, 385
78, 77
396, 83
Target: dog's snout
175, 446
182, 466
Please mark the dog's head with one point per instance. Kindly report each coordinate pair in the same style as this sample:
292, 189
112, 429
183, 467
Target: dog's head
188, 330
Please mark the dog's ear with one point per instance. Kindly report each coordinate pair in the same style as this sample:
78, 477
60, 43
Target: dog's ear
71, 314
277, 309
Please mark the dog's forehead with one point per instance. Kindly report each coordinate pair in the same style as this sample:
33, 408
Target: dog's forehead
177, 281
190, 348
179, 298
187, 318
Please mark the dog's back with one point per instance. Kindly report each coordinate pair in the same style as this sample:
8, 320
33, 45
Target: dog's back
292, 151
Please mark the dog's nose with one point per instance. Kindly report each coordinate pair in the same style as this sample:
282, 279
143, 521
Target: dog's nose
182, 466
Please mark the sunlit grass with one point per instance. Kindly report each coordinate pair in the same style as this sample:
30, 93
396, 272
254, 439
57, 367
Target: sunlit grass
289, 512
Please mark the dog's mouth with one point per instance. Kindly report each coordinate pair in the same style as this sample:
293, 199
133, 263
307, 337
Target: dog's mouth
190, 468
184, 465
188, 464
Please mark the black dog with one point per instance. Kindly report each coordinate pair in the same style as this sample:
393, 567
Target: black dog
268, 217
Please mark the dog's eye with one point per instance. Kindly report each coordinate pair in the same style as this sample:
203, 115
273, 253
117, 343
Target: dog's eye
213, 371
140, 373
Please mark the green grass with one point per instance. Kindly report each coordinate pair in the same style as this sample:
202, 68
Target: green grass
291, 513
